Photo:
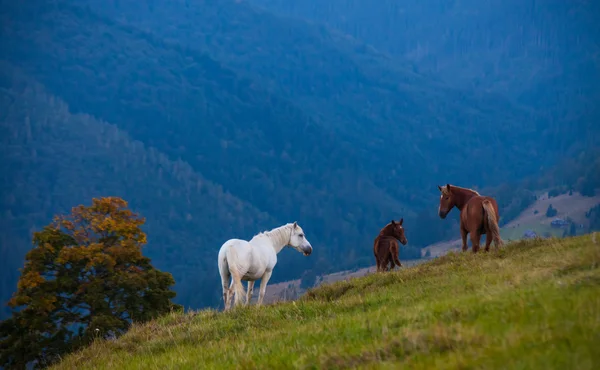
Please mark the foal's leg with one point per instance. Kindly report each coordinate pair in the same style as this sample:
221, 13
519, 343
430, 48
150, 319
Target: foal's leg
263, 286
379, 263
250, 290
475, 237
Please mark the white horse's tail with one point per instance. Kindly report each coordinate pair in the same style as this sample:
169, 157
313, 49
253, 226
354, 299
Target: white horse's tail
227, 258
225, 276
224, 267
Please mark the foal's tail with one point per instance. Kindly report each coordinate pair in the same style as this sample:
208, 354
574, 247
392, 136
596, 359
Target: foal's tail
394, 251
493, 228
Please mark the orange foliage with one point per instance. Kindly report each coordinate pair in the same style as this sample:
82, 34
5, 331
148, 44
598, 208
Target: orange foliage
87, 268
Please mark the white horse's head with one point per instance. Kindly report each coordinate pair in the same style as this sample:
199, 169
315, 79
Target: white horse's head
298, 240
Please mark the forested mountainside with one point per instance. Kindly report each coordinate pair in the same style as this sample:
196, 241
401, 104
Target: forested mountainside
344, 84
215, 119
541, 54
58, 159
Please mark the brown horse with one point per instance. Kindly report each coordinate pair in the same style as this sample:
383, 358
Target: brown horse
478, 215
386, 246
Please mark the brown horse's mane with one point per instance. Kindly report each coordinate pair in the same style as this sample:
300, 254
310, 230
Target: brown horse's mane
462, 195
445, 189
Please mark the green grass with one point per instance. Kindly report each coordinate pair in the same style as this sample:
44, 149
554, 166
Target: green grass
532, 305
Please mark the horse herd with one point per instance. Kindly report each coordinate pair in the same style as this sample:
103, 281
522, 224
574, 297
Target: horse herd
241, 260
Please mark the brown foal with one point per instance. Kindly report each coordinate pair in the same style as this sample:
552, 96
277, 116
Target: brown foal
386, 248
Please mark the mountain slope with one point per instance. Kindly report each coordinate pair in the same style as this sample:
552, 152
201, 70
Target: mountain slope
78, 157
183, 104
540, 54
532, 305
378, 104
303, 126
491, 43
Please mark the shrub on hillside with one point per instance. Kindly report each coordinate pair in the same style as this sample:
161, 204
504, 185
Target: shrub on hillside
551, 212
572, 229
593, 215
308, 280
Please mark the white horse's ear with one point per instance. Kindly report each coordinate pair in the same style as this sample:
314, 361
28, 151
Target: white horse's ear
295, 224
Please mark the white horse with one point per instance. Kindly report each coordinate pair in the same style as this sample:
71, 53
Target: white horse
253, 260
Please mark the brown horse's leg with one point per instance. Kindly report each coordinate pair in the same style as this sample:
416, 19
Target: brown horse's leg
475, 237
488, 241
463, 235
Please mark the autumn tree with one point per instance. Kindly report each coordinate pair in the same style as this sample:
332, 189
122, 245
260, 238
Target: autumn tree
86, 277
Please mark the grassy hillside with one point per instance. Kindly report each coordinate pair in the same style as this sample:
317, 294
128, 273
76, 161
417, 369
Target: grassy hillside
573, 207
533, 304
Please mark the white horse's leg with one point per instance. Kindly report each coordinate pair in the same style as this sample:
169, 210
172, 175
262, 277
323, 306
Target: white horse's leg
263, 286
250, 290
229, 300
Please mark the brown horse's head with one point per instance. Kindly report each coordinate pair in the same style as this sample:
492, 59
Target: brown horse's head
396, 230
447, 201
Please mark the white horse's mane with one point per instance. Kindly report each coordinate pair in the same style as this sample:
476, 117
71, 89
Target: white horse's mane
279, 235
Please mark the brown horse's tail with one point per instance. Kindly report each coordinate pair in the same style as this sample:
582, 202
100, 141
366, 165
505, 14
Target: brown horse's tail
493, 228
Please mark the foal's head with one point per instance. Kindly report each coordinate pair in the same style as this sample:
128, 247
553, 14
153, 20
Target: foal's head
298, 240
447, 201
396, 230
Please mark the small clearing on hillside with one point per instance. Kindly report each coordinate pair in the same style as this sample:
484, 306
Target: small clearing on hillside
531, 305
572, 206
